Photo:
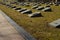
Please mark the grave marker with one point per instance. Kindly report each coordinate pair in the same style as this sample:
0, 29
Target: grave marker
22, 10
40, 8
47, 9
36, 14
55, 23
34, 7
26, 12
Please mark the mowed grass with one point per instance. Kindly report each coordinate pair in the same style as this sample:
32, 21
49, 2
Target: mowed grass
38, 27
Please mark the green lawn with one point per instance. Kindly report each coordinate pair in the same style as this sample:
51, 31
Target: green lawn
38, 27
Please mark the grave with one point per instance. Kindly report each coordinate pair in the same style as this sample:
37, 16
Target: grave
17, 8
36, 14
55, 23
47, 9
26, 12
13, 2
13, 6
47, 6
40, 8
34, 7
3, 3
50, 4
8, 5
56, 4
47, 3
27, 5
22, 4
39, 4
22, 10
34, 4
42, 2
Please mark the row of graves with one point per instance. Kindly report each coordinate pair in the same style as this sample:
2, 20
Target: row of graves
37, 6
25, 11
38, 3
42, 8
29, 12
24, 4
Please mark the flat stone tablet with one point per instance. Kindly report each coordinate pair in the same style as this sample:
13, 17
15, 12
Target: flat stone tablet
36, 14
55, 23
26, 12
40, 8
34, 7
22, 10
47, 9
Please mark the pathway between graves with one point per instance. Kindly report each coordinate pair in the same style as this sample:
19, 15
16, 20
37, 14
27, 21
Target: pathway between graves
7, 31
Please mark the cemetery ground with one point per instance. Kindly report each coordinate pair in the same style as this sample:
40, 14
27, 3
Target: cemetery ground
37, 26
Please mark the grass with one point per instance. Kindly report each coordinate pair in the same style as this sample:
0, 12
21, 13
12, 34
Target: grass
38, 27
